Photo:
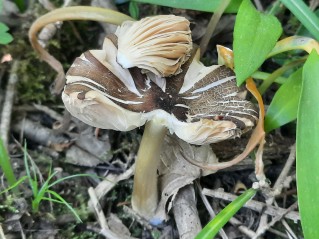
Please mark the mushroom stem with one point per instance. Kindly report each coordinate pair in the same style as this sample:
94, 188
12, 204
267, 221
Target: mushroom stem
145, 190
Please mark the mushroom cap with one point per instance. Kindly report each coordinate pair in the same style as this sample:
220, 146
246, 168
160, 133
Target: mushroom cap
160, 44
94, 89
101, 112
202, 105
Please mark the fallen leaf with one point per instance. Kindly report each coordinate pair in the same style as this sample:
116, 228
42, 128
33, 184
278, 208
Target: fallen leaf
176, 172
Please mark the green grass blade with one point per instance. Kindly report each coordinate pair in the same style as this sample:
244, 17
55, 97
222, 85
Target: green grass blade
259, 75
61, 199
43, 190
17, 183
307, 150
212, 228
304, 15
303, 31
255, 35
6, 167
71, 176
32, 180
199, 5
284, 105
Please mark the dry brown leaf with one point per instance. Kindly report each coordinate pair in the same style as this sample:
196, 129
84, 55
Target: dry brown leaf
176, 172
117, 226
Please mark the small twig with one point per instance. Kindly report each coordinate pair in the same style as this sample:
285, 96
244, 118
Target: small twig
262, 229
2, 236
284, 172
212, 25
253, 205
21, 231
278, 233
313, 4
263, 223
53, 114
34, 165
38, 133
259, 164
97, 208
48, 32
285, 224
186, 214
47, 5
105, 231
245, 230
259, 6
289, 230
110, 182
110, 4
209, 208
138, 218
8, 103
235, 222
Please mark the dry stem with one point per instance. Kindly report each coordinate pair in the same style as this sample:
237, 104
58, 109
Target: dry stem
8, 104
254, 205
185, 213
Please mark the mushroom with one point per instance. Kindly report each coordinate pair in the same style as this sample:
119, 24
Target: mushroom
201, 105
160, 44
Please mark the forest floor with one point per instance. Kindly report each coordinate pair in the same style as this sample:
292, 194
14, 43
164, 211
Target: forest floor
57, 143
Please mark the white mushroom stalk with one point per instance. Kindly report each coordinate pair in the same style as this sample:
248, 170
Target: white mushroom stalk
201, 105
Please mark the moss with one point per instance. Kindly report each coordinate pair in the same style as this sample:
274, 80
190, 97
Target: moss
36, 76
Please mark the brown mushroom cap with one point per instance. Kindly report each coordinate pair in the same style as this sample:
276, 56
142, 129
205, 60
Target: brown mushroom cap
202, 105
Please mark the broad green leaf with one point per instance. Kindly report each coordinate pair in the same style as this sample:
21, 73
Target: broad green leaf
5, 37
255, 35
212, 228
304, 15
199, 5
284, 105
307, 150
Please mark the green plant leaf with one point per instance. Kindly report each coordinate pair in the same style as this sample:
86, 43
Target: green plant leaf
43, 190
255, 35
32, 180
134, 10
71, 176
284, 105
307, 148
17, 183
21, 5
212, 228
304, 15
303, 31
5, 166
199, 5
5, 37
61, 199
